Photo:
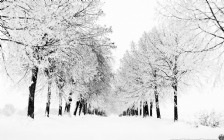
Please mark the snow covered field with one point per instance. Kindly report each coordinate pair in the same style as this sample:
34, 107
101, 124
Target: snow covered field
101, 128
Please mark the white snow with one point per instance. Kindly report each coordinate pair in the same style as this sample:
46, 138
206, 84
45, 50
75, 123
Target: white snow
101, 128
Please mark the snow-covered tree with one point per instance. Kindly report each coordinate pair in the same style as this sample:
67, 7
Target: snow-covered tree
135, 82
52, 34
171, 62
205, 17
99, 87
157, 63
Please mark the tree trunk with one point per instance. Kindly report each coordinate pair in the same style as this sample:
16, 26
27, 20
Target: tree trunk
68, 103
175, 72
157, 105
145, 109
67, 107
140, 108
175, 102
156, 96
136, 112
60, 102
89, 109
151, 106
32, 89
80, 107
76, 108
86, 108
47, 112
128, 112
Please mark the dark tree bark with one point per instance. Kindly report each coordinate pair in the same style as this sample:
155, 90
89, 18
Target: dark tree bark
76, 108
60, 103
175, 89
60, 111
157, 106
60, 85
96, 112
86, 108
124, 113
80, 107
136, 112
128, 112
151, 106
32, 89
145, 109
133, 110
67, 107
68, 103
156, 96
89, 109
47, 112
175, 101
175, 104
140, 108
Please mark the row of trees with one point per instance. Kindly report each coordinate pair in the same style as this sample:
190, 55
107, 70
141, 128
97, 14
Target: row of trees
157, 63
62, 42
170, 55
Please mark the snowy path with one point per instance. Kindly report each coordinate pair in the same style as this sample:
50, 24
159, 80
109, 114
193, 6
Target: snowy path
100, 128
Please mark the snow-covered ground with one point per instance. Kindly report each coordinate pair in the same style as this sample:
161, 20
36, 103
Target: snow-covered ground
101, 128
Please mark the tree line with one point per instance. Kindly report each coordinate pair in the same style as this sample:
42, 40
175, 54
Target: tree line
63, 43
170, 55
59, 41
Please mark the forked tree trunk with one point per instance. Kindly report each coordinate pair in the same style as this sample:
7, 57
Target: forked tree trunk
156, 96
151, 107
76, 108
47, 111
145, 109
68, 103
32, 89
67, 107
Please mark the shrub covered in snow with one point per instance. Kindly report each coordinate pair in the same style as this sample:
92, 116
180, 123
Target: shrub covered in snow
221, 137
211, 119
8, 110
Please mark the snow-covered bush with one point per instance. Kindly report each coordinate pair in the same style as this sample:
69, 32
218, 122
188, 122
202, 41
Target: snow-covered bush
211, 119
221, 137
8, 110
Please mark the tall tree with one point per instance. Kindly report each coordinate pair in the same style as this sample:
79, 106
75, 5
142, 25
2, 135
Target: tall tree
49, 30
204, 17
172, 62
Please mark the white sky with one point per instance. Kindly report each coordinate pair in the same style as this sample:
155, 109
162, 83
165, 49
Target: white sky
129, 19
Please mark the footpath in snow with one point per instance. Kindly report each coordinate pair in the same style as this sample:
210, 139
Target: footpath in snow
101, 128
